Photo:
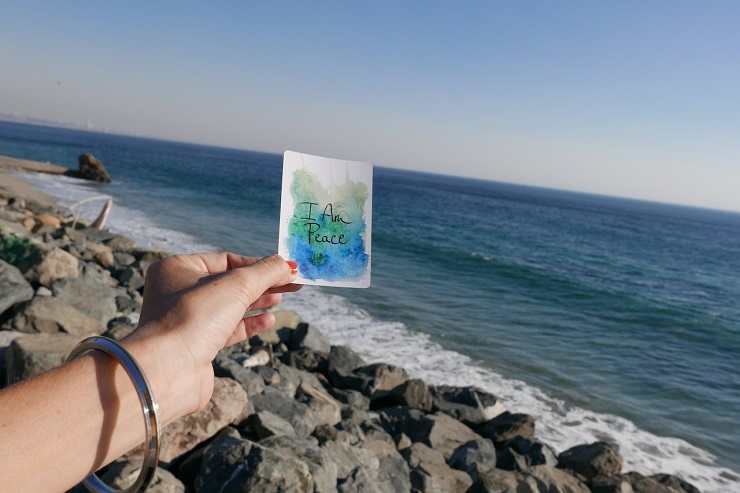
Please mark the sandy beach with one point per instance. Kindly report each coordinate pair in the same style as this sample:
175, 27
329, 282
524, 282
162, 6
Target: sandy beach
11, 170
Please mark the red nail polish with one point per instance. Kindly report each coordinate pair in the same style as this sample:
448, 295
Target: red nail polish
293, 267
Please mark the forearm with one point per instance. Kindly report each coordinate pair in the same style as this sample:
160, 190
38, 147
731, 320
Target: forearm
77, 418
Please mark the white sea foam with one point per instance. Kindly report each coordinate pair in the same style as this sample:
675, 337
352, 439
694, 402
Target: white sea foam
122, 220
558, 424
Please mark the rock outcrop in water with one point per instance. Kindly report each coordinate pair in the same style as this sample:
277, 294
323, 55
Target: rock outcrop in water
90, 169
320, 420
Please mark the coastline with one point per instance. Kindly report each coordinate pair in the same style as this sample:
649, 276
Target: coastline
11, 181
534, 457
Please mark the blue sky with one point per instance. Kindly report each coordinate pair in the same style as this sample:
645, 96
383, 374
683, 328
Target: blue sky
634, 99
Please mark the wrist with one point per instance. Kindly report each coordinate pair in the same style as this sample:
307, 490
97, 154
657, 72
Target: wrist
173, 379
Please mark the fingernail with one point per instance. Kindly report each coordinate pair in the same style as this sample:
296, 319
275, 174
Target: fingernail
293, 267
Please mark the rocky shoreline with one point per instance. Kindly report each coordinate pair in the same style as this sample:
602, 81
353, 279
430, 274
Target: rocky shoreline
320, 419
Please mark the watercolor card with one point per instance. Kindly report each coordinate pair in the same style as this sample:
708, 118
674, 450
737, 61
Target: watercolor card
326, 219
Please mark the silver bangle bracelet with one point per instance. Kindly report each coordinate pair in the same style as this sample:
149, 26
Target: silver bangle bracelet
148, 405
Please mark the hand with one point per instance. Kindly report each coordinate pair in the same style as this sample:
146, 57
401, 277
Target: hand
195, 305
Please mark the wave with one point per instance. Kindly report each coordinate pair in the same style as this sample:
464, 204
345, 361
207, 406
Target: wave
559, 425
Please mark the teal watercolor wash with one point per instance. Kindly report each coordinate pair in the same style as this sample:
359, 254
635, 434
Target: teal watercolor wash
326, 232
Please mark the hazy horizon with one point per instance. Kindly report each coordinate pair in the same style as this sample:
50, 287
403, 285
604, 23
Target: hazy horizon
74, 126
635, 100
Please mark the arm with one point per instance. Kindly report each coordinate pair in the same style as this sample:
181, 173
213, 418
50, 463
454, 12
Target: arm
57, 428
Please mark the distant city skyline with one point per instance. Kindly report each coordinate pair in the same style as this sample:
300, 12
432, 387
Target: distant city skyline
635, 99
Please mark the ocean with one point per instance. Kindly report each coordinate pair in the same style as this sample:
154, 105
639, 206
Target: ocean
604, 318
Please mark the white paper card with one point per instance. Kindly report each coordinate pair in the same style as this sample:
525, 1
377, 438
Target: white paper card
326, 219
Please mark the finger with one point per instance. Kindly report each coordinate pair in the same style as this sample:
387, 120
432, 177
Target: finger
266, 301
248, 327
250, 283
221, 262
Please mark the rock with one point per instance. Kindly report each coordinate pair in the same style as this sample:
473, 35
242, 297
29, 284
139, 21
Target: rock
250, 381
555, 480
351, 398
393, 472
93, 274
324, 408
439, 431
306, 359
6, 337
675, 482
90, 169
37, 353
299, 415
297, 377
53, 264
119, 327
265, 424
48, 314
307, 336
14, 288
506, 426
323, 470
123, 259
519, 454
421, 482
236, 465
187, 432
610, 484
474, 457
344, 360
119, 243
498, 481
449, 479
121, 474
376, 381
420, 454
591, 460
642, 484
94, 300
48, 220
282, 330
412, 393
470, 405
347, 458
359, 480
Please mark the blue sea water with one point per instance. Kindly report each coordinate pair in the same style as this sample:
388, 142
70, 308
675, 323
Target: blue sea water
605, 318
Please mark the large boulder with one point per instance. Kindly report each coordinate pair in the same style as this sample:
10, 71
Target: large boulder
90, 169
556, 480
308, 336
185, 433
121, 474
13, 287
54, 263
474, 457
592, 460
298, 414
412, 393
97, 301
232, 464
37, 353
323, 470
519, 454
439, 431
507, 426
471, 405
48, 315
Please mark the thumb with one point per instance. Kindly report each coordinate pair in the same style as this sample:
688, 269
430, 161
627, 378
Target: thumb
267, 275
